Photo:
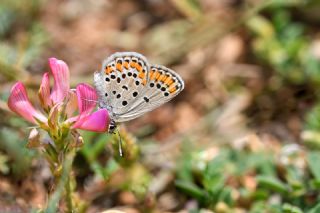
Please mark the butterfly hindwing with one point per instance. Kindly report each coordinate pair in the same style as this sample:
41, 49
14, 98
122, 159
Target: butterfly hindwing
163, 85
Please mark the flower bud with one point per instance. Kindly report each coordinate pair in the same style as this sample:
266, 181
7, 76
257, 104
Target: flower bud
34, 139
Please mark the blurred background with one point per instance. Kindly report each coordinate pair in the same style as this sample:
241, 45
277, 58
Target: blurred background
242, 137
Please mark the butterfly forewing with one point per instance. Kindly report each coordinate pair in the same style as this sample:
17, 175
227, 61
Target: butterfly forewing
121, 81
128, 87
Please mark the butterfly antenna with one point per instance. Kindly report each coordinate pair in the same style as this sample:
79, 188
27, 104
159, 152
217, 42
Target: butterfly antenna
90, 100
120, 143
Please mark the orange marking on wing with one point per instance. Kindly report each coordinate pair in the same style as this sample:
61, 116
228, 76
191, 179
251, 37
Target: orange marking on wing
160, 78
138, 67
164, 78
157, 75
141, 75
168, 81
172, 89
109, 70
151, 75
119, 67
126, 65
144, 82
132, 64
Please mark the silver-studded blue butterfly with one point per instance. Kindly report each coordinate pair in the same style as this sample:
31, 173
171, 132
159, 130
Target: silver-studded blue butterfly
128, 86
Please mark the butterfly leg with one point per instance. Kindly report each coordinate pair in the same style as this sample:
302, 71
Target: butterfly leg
112, 126
112, 130
120, 143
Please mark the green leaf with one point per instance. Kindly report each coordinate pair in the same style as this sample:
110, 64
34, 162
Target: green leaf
313, 159
315, 209
272, 184
191, 189
288, 208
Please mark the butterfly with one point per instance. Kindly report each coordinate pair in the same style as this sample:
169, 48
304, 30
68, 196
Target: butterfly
128, 86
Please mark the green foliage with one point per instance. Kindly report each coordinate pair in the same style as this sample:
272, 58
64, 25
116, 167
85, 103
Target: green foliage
18, 14
4, 168
315, 209
212, 179
22, 38
282, 44
285, 46
272, 184
311, 134
97, 150
275, 175
94, 147
287, 208
18, 156
313, 161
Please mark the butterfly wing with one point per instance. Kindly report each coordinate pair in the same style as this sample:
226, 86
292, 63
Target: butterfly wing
162, 85
121, 82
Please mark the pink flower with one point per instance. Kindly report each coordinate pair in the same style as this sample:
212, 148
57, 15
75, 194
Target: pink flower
19, 103
60, 102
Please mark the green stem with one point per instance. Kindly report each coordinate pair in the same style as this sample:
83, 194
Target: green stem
63, 182
69, 195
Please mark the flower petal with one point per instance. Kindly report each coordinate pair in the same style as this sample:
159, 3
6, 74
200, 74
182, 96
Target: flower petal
87, 98
19, 103
44, 92
54, 114
97, 121
61, 77
72, 104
